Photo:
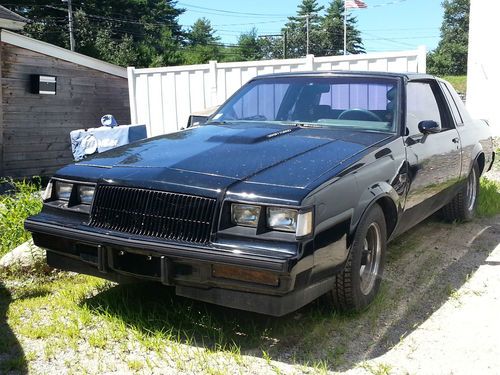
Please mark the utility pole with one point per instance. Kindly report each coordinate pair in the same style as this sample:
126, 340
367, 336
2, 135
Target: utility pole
285, 43
70, 21
345, 30
307, 33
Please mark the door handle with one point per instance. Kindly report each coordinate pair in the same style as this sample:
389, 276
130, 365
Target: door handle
455, 140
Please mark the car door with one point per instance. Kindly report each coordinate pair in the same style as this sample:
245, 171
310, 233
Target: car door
433, 160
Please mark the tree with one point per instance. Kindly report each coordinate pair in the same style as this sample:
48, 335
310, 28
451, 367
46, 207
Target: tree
134, 32
297, 33
202, 44
450, 56
332, 26
249, 46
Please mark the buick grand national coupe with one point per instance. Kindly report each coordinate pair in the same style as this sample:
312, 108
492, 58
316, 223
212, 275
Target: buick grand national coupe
289, 192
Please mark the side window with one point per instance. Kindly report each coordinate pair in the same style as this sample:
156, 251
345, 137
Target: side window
451, 104
421, 105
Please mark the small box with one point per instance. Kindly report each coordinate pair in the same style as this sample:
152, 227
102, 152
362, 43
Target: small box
42, 84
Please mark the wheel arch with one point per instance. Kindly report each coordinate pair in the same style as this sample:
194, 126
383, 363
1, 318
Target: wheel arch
480, 160
478, 157
386, 197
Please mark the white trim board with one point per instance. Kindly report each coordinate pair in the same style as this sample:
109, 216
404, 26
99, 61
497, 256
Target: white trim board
61, 53
10, 24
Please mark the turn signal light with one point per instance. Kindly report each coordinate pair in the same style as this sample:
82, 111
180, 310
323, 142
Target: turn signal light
245, 274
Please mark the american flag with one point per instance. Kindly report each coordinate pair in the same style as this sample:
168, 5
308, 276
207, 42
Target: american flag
350, 4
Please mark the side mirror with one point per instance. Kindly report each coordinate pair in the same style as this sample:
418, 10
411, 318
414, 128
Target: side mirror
196, 120
429, 127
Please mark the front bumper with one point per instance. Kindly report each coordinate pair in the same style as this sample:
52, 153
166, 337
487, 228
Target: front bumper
189, 269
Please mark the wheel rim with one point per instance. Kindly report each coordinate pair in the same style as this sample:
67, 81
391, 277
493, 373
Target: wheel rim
370, 258
471, 190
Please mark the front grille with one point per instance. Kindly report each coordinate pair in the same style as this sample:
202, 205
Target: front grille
151, 213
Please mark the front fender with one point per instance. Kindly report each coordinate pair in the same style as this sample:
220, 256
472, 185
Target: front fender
373, 194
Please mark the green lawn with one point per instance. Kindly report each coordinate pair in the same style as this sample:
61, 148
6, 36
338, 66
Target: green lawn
458, 82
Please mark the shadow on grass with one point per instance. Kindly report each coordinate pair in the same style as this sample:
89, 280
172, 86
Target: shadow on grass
12, 359
422, 272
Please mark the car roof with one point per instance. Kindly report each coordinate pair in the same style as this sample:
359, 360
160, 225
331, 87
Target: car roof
329, 73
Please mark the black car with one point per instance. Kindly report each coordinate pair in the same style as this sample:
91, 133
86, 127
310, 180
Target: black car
289, 192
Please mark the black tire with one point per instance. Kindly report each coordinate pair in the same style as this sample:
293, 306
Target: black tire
350, 293
463, 206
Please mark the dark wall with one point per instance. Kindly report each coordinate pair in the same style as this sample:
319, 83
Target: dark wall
36, 127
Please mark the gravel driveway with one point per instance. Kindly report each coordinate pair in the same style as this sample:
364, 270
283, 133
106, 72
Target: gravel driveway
463, 335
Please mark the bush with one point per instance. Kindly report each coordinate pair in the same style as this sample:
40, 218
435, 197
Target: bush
22, 201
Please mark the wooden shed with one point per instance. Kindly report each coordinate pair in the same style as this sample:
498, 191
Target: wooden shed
35, 122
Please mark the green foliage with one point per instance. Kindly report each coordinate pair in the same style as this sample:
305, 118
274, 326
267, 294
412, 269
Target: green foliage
296, 29
326, 32
489, 198
125, 32
458, 82
144, 33
202, 44
14, 209
333, 29
450, 56
250, 46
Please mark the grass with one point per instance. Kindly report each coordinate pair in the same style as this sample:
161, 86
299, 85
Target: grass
458, 82
489, 198
15, 207
88, 315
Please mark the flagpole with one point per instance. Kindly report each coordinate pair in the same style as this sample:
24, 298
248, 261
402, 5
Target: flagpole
345, 29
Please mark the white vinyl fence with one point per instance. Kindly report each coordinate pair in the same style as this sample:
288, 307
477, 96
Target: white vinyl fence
163, 98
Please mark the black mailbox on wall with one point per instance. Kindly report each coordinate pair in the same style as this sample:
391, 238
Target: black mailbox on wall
42, 84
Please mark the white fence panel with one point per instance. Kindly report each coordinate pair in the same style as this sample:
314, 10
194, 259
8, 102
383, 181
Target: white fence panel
163, 98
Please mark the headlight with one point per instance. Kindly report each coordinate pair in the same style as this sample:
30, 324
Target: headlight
63, 191
282, 219
85, 194
290, 220
244, 214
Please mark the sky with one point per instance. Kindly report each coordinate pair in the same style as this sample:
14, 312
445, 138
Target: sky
386, 25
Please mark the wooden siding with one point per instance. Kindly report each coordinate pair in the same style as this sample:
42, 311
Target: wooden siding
34, 129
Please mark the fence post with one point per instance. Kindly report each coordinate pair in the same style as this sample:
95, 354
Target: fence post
131, 94
309, 62
421, 59
213, 82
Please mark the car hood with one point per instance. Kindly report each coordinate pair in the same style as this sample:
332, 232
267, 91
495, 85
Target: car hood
244, 151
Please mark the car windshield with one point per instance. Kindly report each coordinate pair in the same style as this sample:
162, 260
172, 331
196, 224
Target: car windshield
361, 102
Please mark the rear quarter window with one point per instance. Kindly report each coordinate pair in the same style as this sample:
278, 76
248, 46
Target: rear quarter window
459, 103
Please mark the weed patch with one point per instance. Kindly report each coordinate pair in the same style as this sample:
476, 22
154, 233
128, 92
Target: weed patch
23, 201
489, 198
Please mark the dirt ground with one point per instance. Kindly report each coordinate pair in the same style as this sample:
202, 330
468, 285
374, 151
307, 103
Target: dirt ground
462, 336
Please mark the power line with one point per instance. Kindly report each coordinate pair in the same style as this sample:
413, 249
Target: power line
233, 12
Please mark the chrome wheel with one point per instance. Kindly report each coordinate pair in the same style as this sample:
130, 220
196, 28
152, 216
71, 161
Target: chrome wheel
471, 190
370, 258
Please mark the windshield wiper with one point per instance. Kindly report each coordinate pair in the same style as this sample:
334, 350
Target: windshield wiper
216, 122
306, 125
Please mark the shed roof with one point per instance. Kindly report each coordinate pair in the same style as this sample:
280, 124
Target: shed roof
10, 20
61, 53
10, 15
